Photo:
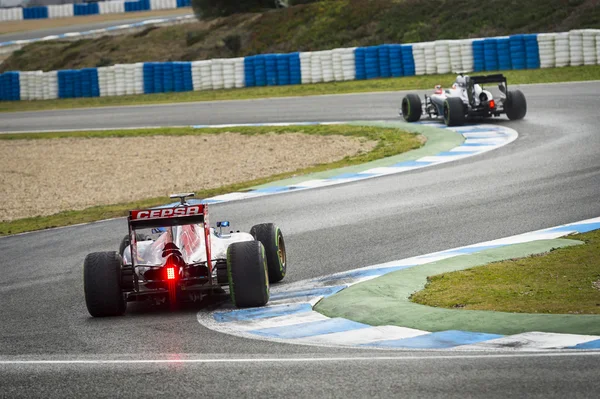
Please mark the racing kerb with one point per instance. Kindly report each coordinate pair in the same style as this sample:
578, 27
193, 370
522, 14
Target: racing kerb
290, 318
478, 140
515, 52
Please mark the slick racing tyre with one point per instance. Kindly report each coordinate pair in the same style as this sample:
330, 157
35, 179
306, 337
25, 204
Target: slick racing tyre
102, 284
454, 112
272, 239
515, 105
125, 241
247, 272
411, 108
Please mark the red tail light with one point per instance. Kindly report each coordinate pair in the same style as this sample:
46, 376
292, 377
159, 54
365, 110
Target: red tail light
492, 104
170, 273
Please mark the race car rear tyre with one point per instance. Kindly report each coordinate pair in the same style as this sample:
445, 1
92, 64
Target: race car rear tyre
515, 105
102, 284
125, 241
248, 275
454, 112
272, 239
411, 108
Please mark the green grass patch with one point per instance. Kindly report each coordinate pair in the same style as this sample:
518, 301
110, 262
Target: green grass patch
563, 281
390, 142
550, 75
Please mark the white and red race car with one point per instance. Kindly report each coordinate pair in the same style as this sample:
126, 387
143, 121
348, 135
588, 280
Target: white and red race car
183, 259
466, 99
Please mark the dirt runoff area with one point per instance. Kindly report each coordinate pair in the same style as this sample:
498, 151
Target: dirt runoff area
46, 176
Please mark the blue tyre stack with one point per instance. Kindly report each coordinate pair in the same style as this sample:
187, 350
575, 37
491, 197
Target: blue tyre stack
10, 88
384, 61
359, 63
65, 84
283, 69
178, 76
249, 78
490, 54
396, 60
478, 56
372, 62
186, 69
260, 73
408, 61
517, 51
158, 77
86, 9
35, 12
295, 71
140, 5
532, 52
148, 78
271, 69
93, 90
167, 77
504, 62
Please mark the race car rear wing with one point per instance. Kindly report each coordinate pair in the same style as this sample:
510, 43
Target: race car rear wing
496, 78
165, 217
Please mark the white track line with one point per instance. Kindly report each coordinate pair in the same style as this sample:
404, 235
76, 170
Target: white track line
291, 360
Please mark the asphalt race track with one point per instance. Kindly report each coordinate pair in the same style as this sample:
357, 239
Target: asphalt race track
35, 34
549, 176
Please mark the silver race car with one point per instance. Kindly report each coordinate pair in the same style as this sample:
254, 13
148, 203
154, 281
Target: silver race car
466, 99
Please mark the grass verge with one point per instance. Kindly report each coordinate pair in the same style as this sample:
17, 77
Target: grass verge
390, 142
550, 75
563, 281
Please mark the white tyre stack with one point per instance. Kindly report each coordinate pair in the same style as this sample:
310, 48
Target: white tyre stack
419, 58
589, 46
430, 61
216, 74
138, 78
316, 71
306, 67
348, 63
562, 53
228, 74
546, 45
239, 72
338, 69
327, 65
576, 47
466, 55
50, 85
442, 57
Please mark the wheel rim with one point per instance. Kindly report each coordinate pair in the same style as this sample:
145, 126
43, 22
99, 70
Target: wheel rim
281, 250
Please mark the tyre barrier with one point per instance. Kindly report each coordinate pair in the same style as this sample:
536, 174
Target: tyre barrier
532, 51
78, 9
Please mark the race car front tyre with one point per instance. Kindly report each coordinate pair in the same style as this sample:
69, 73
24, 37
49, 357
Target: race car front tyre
248, 275
411, 108
272, 239
515, 105
102, 284
454, 112
125, 241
